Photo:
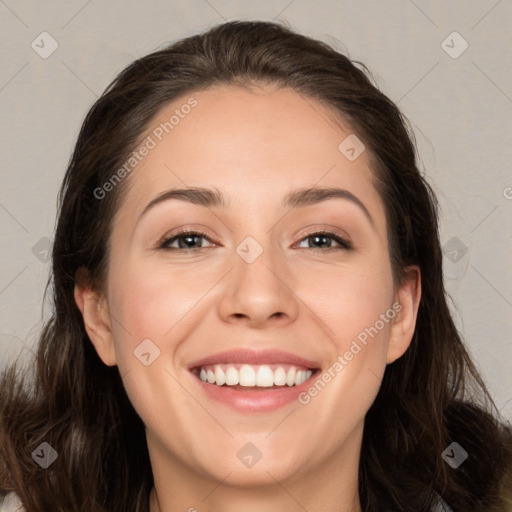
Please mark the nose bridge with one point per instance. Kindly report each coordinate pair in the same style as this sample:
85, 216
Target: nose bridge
258, 283
258, 262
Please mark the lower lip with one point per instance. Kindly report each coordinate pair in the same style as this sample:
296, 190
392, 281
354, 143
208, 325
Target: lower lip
266, 400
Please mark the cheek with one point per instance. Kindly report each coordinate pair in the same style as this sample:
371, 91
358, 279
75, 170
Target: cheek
338, 303
361, 315
350, 300
155, 301
356, 305
149, 304
149, 313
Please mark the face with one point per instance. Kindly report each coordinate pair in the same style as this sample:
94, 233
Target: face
293, 300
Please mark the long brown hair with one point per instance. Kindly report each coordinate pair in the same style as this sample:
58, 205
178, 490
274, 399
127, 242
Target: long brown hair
430, 397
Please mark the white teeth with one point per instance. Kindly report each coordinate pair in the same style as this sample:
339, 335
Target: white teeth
265, 377
280, 376
290, 377
231, 376
247, 376
254, 375
220, 376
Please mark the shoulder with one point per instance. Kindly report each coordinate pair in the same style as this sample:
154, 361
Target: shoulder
11, 503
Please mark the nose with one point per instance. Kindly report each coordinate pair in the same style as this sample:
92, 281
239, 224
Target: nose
259, 293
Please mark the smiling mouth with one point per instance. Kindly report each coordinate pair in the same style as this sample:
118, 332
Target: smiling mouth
248, 377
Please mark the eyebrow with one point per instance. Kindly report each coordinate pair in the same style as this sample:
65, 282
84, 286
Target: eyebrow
214, 198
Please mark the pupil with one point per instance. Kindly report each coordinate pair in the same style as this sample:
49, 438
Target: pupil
188, 238
321, 237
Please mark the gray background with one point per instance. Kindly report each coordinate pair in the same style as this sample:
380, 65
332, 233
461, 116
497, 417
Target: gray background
460, 106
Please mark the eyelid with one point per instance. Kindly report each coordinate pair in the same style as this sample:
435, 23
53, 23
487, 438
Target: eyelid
326, 229
339, 236
182, 232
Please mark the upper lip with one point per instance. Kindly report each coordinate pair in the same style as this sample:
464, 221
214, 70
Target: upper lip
248, 356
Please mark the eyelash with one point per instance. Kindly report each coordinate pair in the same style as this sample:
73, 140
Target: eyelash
345, 244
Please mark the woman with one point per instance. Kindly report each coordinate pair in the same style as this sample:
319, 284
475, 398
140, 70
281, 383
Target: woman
249, 302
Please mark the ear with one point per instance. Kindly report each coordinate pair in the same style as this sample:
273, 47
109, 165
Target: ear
94, 308
404, 323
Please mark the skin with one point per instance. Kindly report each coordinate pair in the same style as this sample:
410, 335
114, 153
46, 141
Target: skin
255, 146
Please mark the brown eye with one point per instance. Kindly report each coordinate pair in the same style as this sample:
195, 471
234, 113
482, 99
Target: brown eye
325, 237
186, 240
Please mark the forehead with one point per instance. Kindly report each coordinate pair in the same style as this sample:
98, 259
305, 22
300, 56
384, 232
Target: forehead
251, 144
